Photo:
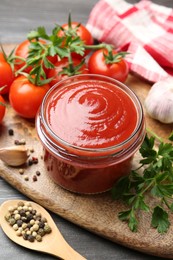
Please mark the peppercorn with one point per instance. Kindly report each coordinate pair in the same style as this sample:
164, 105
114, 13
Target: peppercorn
7, 216
19, 222
41, 224
26, 178
47, 229
34, 178
36, 227
41, 232
21, 171
22, 213
21, 203
11, 209
24, 226
17, 216
25, 236
30, 162
18, 233
16, 142
38, 173
31, 238
15, 227
10, 131
29, 217
38, 238
12, 221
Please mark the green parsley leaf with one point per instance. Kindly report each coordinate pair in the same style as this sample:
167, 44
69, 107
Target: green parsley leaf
160, 220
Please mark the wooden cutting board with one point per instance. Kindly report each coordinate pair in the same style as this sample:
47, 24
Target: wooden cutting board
96, 213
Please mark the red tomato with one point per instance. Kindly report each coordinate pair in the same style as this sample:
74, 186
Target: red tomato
2, 108
25, 98
97, 65
22, 51
2, 57
83, 33
54, 73
6, 75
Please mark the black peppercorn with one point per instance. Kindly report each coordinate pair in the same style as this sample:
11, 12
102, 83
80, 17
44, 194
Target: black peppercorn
29, 217
11, 131
19, 222
25, 236
22, 213
31, 238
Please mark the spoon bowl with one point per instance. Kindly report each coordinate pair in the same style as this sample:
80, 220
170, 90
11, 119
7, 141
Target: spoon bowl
52, 243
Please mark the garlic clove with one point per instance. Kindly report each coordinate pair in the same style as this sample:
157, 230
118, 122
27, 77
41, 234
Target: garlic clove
159, 101
14, 155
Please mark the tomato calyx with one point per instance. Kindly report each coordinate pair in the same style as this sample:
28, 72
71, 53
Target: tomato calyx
113, 57
72, 69
71, 31
10, 59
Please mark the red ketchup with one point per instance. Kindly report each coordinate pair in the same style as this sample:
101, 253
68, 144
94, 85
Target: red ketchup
90, 127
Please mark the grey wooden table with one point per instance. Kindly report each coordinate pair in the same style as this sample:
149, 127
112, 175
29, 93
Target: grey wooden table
18, 17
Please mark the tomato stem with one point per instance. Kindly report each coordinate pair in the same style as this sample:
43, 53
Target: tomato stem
98, 46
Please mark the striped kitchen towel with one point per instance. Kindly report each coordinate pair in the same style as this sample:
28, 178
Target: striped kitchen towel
144, 29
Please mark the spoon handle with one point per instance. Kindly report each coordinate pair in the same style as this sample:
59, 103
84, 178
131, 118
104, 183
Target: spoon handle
60, 248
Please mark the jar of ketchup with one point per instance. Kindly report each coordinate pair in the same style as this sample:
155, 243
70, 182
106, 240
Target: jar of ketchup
90, 127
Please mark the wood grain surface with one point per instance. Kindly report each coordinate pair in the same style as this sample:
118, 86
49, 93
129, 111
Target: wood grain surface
96, 213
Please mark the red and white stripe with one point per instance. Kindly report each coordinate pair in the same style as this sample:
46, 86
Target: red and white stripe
144, 29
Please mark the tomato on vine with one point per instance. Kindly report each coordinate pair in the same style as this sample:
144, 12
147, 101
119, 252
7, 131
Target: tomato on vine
76, 30
6, 74
25, 97
109, 63
23, 50
63, 70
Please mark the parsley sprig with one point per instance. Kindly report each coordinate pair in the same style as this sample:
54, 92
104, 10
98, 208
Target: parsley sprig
153, 178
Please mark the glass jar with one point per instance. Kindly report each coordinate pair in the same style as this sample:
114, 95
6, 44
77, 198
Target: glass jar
92, 163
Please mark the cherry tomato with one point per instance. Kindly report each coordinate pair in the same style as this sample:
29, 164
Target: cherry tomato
23, 50
2, 57
97, 65
25, 98
6, 75
2, 108
82, 32
54, 73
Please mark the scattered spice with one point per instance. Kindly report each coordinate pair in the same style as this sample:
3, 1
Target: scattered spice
35, 160
26, 178
31, 161
16, 142
27, 222
21, 171
10, 131
20, 142
34, 178
38, 173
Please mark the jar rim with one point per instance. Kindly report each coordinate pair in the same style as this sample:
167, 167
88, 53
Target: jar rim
117, 147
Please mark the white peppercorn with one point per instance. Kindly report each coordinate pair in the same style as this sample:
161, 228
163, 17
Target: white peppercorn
36, 227
15, 227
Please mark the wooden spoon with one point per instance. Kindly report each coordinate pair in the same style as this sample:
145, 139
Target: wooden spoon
52, 243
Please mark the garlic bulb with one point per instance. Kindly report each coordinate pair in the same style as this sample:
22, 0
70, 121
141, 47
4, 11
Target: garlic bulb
159, 102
